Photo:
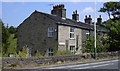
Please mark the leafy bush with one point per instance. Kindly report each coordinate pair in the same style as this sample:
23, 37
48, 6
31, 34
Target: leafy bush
13, 65
23, 53
88, 45
38, 54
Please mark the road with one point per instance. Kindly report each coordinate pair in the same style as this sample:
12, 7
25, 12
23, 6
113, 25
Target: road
112, 64
105, 65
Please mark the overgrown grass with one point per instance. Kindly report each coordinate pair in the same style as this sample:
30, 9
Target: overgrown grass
63, 53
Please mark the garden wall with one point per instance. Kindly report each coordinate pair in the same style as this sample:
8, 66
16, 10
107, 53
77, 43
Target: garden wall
7, 61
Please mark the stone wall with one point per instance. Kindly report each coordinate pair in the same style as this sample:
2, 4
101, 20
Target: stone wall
65, 40
108, 54
52, 59
41, 60
33, 34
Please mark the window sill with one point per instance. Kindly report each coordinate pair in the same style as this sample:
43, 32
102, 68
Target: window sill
72, 38
50, 37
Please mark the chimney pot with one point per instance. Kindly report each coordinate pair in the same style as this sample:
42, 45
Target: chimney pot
99, 20
75, 16
88, 20
100, 16
89, 16
76, 11
59, 10
86, 16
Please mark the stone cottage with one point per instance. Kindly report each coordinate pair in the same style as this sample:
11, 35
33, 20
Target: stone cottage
49, 33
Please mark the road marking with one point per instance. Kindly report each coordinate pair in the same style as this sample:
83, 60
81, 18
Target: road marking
60, 67
94, 66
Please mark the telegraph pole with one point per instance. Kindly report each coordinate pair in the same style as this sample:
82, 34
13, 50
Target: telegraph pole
95, 50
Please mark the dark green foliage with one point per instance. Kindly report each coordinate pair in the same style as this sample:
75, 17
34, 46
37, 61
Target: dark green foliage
113, 34
8, 40
112, 9
5, 36
113, 25
12, 30
88, 45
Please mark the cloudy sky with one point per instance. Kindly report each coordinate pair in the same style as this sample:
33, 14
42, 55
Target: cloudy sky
14, 13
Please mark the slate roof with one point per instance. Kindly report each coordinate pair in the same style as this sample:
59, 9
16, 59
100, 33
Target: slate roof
70, 22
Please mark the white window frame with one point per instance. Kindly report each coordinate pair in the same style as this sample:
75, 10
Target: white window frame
87, 33
72, 33
50, 51
50, 31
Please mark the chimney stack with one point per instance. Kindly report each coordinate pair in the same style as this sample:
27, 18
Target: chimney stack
99, 20
88, 20
75, 16
59, 10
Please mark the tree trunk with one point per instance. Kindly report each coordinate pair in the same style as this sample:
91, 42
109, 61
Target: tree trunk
109, 14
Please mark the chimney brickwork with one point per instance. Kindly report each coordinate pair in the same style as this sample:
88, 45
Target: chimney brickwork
88, 20
75, 16
59, 10
99, 20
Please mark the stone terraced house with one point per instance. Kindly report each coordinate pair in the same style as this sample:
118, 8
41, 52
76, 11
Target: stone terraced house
49, 33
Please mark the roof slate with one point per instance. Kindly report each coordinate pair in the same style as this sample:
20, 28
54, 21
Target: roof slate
70, 22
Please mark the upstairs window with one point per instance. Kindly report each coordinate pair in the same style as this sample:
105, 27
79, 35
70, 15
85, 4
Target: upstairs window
51, 32
71, 32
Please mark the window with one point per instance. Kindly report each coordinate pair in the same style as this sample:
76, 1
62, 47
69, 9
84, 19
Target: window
51, 32
87, 33
50, 52
72, 48
71, 32
29, 51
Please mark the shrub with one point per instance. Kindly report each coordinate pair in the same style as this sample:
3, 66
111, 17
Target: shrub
14, 65
23, 53
88, 45
38, 54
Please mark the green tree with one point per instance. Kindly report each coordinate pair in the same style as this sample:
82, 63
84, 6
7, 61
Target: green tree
88, 45
113, 34
5, 36
112, 25
112, 9
8, 40
12, 29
